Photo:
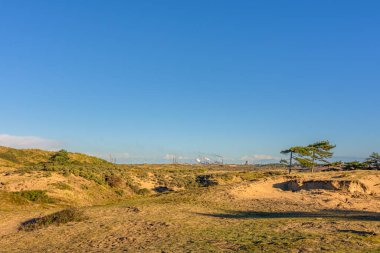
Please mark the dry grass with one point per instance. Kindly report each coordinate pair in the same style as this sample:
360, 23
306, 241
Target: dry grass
58, 218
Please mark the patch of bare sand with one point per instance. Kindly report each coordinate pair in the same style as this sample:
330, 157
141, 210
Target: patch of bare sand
148, 183
322, 194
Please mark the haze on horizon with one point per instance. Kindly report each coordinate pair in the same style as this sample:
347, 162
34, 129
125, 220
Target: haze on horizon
145, 80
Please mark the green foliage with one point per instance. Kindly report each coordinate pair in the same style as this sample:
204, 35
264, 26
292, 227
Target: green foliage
89, 172
35, 196
60, 157
355, 165
374, 161
61, 217
310, 155
320, 151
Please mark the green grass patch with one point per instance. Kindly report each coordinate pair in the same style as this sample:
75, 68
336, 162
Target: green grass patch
34, 196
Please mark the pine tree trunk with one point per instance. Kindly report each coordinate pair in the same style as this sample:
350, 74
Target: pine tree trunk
290, 162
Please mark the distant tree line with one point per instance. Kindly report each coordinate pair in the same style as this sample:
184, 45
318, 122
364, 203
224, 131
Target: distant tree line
372, 162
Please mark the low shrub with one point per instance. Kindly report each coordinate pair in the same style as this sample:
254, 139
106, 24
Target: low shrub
113, 180
206, 180
355, 165
35, 196
119, 192
60, 157
61, 217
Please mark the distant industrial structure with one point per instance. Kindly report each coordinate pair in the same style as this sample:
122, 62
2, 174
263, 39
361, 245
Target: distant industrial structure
210, 159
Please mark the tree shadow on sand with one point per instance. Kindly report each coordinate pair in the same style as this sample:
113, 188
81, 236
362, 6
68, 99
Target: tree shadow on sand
327, 213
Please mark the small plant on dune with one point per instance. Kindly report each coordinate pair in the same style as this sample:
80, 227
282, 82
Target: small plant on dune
61, 217
113, 180
119, 192
35, 196
62, 186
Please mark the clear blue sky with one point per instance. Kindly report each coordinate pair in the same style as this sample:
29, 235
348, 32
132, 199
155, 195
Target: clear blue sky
144, 79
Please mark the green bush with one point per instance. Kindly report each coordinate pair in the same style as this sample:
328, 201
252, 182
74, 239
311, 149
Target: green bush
61, 217
206, 180
355, 165
35, 196
60, 157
